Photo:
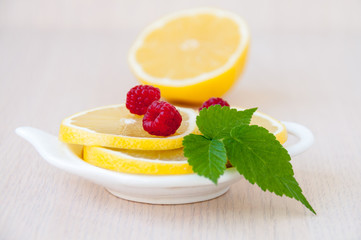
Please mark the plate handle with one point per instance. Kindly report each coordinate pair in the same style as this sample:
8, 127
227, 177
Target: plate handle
304, 137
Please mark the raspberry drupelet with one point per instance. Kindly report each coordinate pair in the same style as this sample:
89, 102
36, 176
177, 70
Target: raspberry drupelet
140, 97
214, 101
161, 119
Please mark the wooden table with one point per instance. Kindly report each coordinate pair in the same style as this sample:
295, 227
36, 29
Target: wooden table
61, 57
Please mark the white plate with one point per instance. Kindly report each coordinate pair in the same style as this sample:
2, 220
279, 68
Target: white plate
168, 189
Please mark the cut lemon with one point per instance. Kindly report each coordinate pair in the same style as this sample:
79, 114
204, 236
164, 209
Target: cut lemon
162, 162
191, 55
137, 161
114, 126
272, 125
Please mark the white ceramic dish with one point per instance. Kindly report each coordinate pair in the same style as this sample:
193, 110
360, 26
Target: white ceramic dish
169, 189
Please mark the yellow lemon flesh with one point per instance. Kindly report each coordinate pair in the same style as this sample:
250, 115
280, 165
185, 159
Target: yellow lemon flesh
114, 126
163, 162
191, 55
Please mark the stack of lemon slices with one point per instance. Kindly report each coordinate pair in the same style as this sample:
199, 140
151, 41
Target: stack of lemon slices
114, 139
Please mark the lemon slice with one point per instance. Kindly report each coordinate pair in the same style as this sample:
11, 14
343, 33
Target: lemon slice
138, 161
114, 126
162, 162
191, 55
272, 125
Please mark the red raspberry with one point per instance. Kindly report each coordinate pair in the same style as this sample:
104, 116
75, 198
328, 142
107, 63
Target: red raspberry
161, 119
140, 97
214, 101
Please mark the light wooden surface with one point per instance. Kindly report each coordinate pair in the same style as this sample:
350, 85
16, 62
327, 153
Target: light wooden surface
61, 57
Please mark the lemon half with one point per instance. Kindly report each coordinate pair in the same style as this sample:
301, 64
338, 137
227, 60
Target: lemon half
191, 55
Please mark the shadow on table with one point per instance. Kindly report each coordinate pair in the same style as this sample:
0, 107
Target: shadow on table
245, 200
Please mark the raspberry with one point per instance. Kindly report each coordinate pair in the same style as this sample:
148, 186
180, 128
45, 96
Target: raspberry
161, 119
140, 97
214, 101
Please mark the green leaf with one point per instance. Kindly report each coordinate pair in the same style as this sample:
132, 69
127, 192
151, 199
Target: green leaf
216, 122
261, 159
207, 157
